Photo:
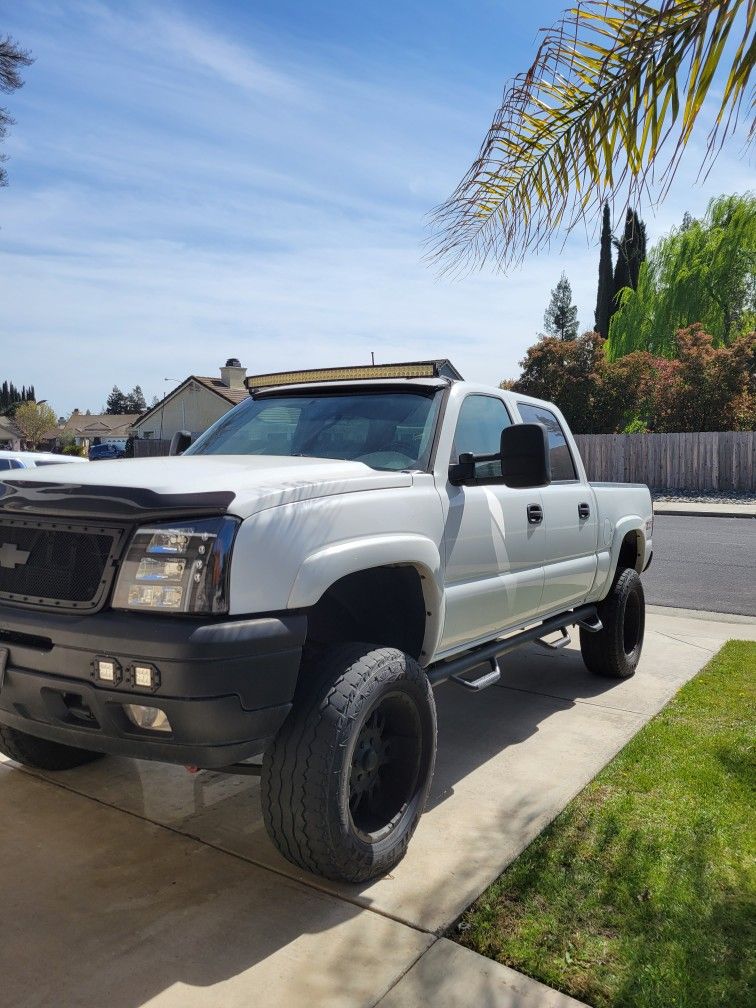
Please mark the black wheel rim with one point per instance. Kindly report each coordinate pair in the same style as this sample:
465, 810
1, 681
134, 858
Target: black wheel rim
631, 630
385, 766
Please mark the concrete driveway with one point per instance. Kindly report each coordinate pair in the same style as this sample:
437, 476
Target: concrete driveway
128, 883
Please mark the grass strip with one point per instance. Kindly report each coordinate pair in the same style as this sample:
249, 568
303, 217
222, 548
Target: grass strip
642, 893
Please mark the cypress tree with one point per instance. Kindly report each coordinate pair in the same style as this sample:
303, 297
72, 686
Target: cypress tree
605, 280
631, 251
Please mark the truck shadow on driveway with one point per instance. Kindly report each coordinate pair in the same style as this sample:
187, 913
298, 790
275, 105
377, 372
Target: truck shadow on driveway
103, 909
113, 908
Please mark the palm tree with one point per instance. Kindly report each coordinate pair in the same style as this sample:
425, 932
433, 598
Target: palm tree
613, 86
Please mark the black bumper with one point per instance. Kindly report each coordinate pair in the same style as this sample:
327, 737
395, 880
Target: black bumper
226, 687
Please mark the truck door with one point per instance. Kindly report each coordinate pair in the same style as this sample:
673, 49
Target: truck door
494, 565
569, 520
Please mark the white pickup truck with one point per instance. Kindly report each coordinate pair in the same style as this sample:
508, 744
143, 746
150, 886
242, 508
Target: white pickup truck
296, 582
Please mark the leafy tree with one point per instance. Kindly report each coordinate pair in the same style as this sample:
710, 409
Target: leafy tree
604, 306
707, 387
12, 59
704, 388
605, 110
560, 318
35, 421
704, 272
631, 252
568, 373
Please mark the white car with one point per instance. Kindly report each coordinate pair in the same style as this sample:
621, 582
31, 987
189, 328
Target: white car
32, 460
297, 582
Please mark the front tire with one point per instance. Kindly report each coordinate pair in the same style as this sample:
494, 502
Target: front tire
615, 651
40, 754
347, 778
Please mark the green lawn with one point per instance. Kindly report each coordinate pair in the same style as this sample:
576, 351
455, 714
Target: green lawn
642, 893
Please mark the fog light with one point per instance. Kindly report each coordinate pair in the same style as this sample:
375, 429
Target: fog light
108, 670
149, 718
144, 675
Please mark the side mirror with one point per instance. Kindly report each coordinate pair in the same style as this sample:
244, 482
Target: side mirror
463, 471
525, 459
180, 442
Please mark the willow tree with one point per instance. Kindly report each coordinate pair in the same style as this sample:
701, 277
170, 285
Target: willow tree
604, 112
705, 273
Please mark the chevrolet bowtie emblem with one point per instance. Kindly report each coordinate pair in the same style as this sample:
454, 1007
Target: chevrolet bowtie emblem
11, 556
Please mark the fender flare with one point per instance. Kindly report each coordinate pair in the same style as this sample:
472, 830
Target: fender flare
631, 523
326, 566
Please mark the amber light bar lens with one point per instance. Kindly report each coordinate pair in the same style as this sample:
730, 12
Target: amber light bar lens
342, 374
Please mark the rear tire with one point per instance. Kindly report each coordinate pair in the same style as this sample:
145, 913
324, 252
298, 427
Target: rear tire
40, 754
615, 651
347, 778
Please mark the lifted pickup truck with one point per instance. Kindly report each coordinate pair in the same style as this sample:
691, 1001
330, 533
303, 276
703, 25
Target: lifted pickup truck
295, 584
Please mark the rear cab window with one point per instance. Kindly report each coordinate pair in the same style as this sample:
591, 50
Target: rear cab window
562, 463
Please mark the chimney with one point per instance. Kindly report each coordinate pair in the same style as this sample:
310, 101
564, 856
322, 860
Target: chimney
233, 374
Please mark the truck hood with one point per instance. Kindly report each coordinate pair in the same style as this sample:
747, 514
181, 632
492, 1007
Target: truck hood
187, 485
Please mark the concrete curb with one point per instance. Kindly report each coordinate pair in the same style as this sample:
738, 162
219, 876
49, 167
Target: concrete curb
702, 614
705, 510
448, 975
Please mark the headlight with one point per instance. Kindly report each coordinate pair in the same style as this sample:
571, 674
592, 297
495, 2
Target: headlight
181, 568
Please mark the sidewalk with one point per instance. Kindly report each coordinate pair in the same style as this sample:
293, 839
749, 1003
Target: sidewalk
705, 509
136, 884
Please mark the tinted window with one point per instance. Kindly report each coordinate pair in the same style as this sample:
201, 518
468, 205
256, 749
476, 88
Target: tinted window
481, 421
562, 466
6, 464
385, 430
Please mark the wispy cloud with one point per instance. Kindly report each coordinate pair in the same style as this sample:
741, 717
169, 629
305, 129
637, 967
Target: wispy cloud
190, 186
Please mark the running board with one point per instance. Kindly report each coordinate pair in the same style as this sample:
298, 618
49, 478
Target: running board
563, 641
591, 625
488, 679
488, 654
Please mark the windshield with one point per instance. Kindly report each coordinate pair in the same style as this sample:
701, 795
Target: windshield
385, 430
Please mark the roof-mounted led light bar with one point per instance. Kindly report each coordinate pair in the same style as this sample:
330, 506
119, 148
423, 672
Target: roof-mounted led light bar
419, 369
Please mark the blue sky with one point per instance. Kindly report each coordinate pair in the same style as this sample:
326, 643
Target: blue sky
193, 181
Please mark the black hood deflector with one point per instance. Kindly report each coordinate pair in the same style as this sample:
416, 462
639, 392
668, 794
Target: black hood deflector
30, 497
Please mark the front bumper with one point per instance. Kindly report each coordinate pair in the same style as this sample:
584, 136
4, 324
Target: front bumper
226, 687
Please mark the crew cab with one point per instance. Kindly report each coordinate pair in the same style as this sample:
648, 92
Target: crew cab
294, 584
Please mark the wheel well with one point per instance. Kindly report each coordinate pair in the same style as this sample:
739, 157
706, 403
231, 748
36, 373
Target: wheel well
383, 605
629, 554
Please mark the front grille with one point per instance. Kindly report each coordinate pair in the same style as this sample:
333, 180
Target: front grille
55, 565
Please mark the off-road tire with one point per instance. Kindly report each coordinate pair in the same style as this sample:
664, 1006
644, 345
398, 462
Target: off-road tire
310, 775
615, 651
40, 753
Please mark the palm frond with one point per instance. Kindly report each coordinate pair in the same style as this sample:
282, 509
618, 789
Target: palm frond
613, 85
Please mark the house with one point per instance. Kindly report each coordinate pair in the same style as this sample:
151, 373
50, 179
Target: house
195, 404
87, 429
10, 436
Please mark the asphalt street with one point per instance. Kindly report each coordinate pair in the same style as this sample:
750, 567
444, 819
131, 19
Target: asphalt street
703, 563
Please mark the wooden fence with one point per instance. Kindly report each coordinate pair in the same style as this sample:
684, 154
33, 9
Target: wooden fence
150, 447
707, 461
